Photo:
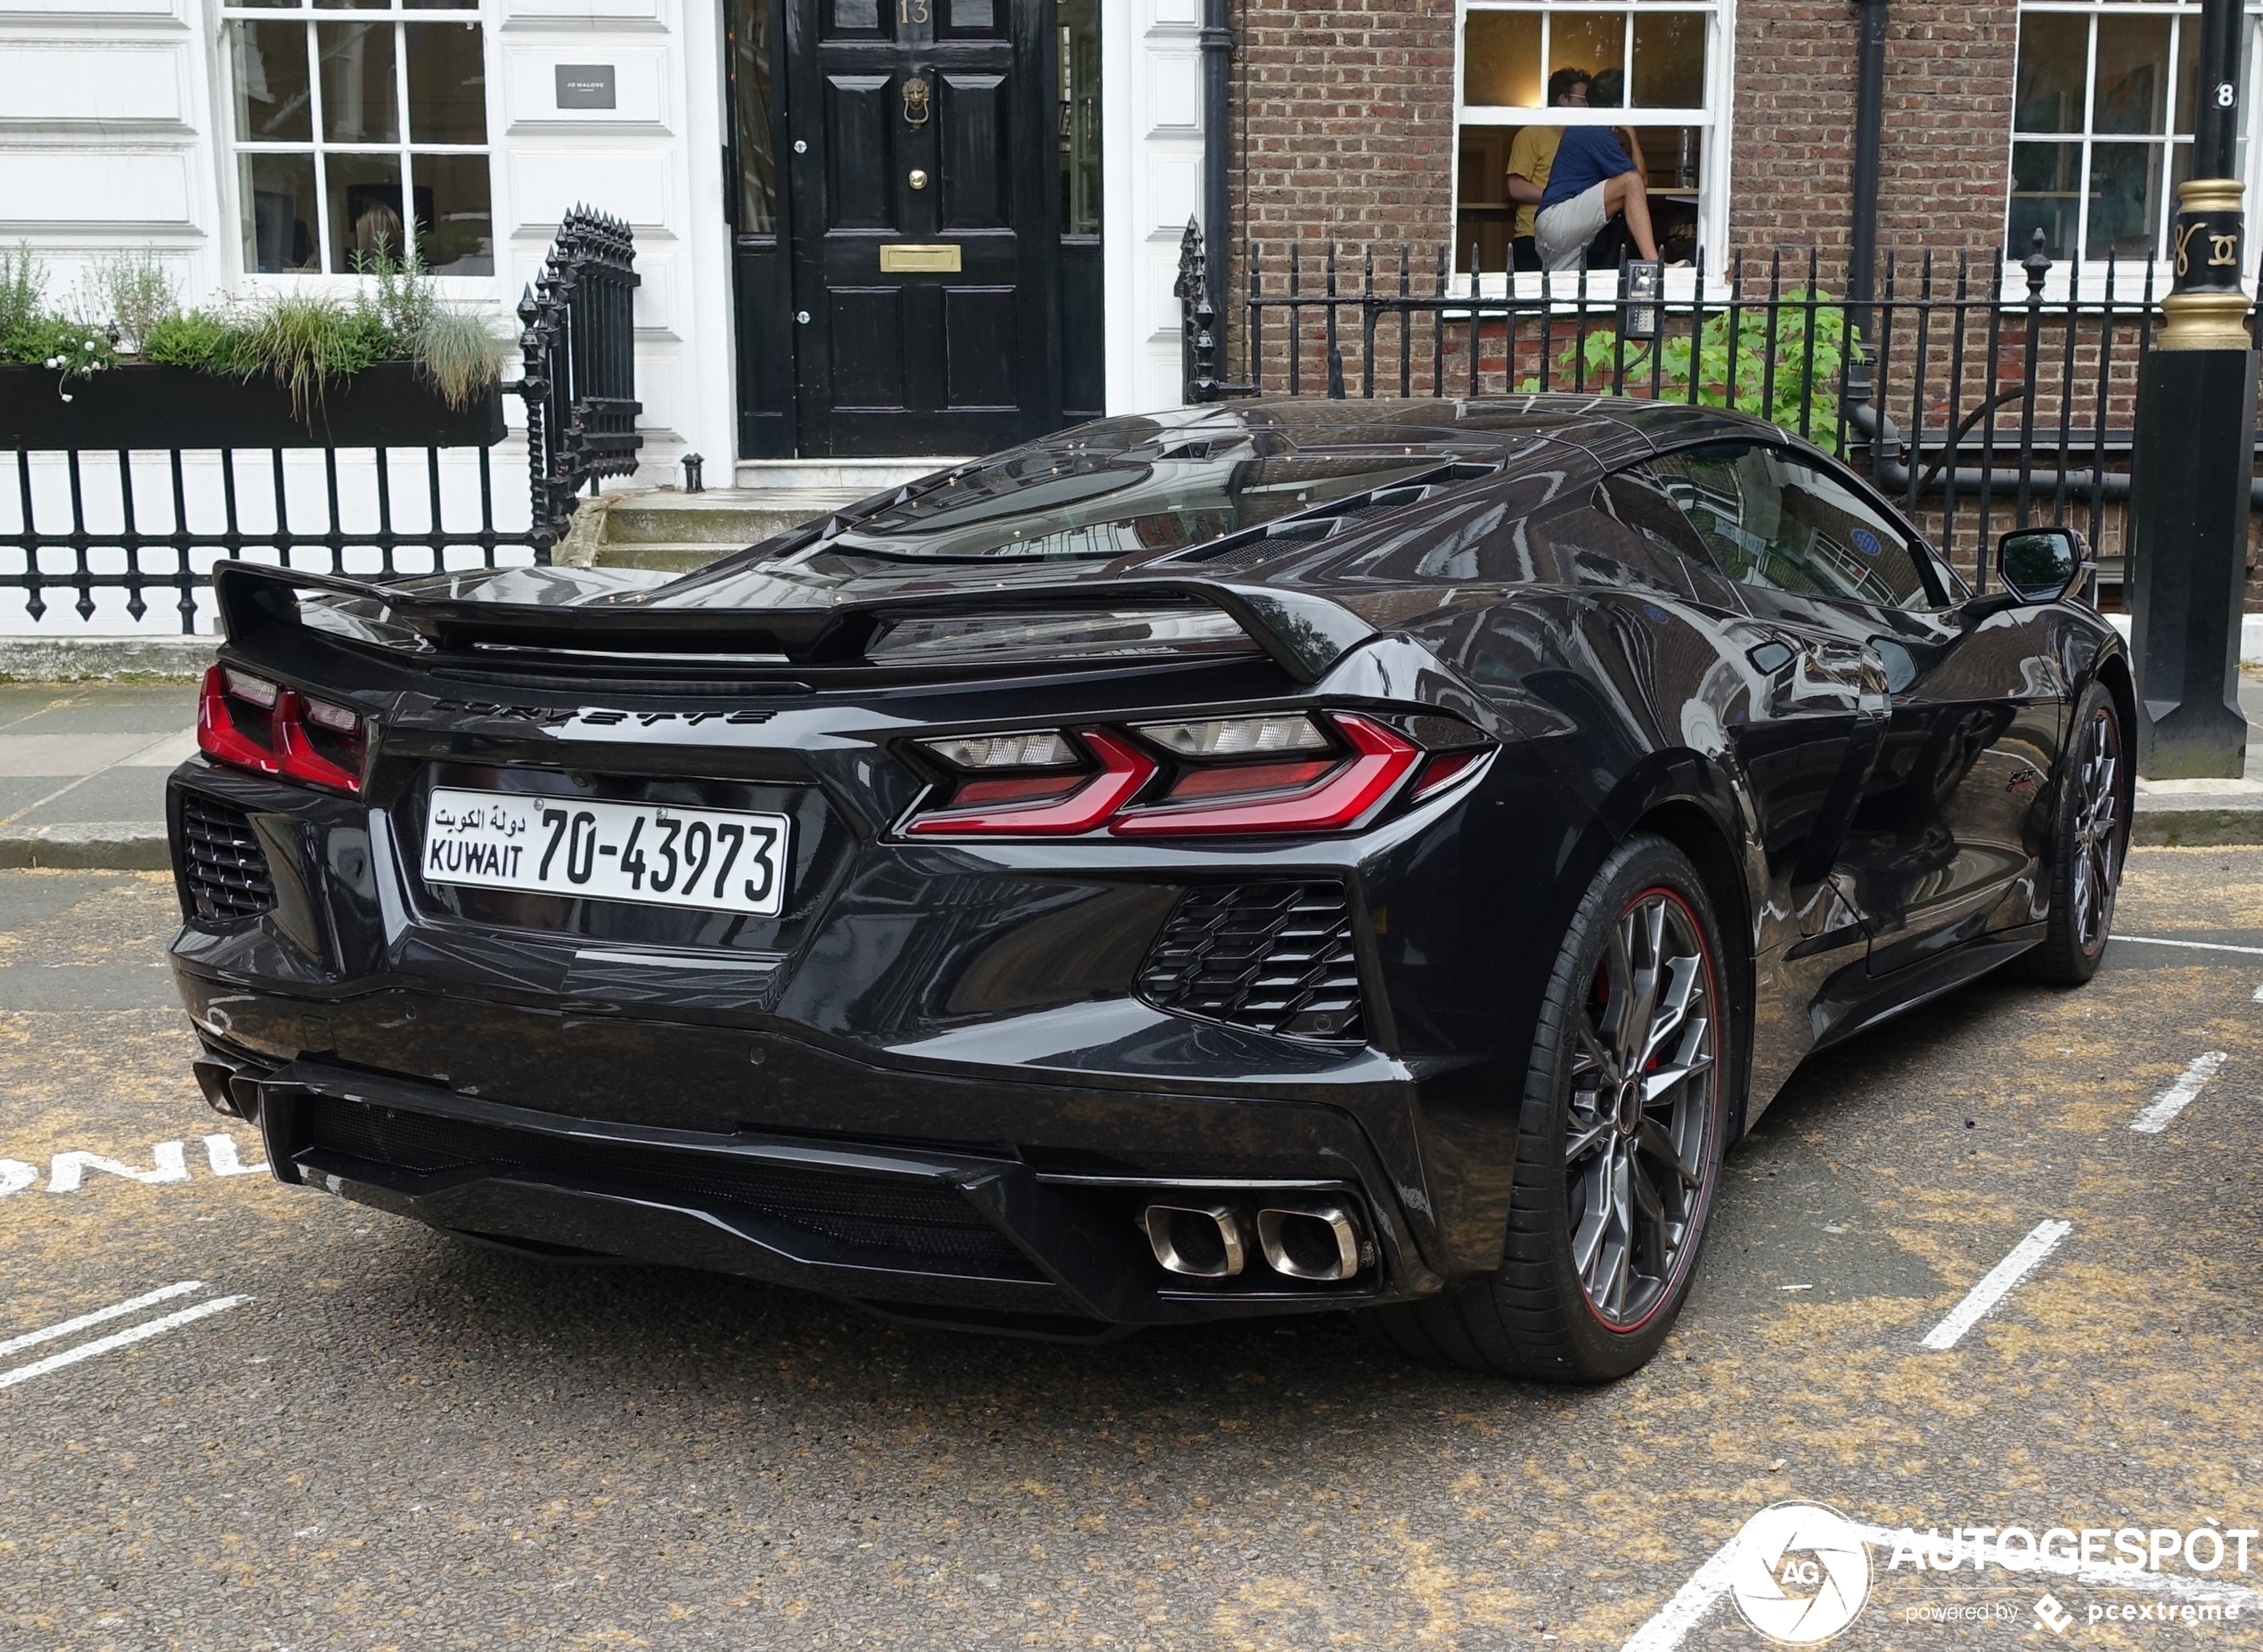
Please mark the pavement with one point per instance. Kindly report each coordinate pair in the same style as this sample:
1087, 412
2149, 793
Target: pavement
83, 766
242, 1416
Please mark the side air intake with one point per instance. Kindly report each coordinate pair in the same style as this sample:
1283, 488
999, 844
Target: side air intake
1271, 957
224, 870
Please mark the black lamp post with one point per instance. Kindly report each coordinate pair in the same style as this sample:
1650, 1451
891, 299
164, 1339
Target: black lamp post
2196, 454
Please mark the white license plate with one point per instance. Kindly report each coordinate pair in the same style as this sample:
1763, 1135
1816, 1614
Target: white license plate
717, 860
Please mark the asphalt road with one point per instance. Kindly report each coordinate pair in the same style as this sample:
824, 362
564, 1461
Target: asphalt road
349, 1432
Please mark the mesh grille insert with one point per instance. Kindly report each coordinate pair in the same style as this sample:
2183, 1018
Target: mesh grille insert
221, 865
1271, 957
900, 1223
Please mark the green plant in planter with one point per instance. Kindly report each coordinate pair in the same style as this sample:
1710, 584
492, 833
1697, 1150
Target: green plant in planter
1798, 376
303, 340
23, 285
73, 348
455, 350
137, 290
198, 339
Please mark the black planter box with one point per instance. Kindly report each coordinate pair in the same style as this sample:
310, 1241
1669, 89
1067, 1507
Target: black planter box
385, 404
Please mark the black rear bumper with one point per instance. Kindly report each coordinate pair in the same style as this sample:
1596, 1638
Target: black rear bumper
979, 1238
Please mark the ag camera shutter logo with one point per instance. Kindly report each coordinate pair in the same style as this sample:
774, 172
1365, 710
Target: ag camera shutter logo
1800, 1573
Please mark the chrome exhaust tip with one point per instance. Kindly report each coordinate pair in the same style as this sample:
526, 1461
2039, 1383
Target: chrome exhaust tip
1317, 1242
1203, 1242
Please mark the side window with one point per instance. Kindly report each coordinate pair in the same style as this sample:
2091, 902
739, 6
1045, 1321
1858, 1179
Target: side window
1771, 520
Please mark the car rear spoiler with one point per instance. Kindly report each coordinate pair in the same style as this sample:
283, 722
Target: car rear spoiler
1303, 634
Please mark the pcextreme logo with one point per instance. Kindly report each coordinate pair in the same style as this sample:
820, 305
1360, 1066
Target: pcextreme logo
1799, 1573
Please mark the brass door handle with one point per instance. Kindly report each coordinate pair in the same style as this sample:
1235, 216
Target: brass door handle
919, 178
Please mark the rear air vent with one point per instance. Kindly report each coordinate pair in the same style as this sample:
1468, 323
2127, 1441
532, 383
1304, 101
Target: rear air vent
1271, 957
223, 869
877, 1221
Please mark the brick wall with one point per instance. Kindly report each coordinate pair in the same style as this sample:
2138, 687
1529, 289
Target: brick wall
1344, 116
1946, 160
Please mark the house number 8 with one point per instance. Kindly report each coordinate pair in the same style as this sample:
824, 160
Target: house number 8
913, 11
2226, 94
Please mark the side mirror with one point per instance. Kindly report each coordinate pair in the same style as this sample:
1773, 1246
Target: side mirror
2041, 564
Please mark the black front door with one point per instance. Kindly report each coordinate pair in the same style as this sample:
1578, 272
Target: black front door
924, 207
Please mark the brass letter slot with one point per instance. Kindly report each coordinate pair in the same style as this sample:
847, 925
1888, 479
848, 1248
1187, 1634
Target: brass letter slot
904, 255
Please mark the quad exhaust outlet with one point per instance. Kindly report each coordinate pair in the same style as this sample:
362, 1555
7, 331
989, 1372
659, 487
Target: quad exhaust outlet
1317, 1240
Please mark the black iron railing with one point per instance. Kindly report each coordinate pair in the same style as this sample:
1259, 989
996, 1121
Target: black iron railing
215, 505
1979, 395
579, 342
102, 507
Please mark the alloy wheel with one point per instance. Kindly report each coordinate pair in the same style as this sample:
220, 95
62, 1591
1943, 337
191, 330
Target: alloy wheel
1645, 1088
2097, 830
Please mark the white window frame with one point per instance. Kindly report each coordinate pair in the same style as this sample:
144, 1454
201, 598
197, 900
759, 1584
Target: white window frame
2084, 273
1714, 120
233, 146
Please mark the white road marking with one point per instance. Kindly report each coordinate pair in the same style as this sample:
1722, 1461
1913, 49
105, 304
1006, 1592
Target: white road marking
1708, 1586
1997, 1283
169, 1165
125, 1338
66, 1170
116, 1311
2198, 947
2259, 994
2173, 1100
220, 1152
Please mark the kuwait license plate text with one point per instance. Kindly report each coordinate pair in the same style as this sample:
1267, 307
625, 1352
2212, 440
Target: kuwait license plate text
718, 859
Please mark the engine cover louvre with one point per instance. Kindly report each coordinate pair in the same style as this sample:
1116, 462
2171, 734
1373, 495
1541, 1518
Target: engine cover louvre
1270, 957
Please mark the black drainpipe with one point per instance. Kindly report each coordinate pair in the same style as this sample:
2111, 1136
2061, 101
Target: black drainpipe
1869, 122
1217, 66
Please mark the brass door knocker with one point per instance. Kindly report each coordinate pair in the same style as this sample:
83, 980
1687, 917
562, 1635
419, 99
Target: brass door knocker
915, 93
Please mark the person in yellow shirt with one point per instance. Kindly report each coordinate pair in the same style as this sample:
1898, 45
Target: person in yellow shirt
1531, 155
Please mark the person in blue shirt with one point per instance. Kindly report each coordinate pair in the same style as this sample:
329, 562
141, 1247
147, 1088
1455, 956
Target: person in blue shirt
1592, 182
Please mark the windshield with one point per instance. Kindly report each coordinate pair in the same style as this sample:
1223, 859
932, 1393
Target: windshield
1122, 486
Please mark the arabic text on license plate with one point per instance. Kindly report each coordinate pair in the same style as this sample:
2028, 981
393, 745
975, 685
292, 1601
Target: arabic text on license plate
717, 859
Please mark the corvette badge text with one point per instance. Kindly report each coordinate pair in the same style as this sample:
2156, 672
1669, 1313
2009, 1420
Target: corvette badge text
1800, 1573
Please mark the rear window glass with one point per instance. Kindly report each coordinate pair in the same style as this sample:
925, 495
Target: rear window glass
1122, 488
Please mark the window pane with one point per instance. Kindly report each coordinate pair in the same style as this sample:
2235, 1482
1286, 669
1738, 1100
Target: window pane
448, 84
1669, 60
278, 194
364, 5
2046, 194
1502, 58
1079, 97
2133, 74
2125, 201
272, 101
1596, 42
359, 91
752, 108
2188, 73
1770, 521
455, 225
364, 208
2054, 52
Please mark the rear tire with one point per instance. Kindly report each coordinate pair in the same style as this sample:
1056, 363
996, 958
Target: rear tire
1619, 1140
2089, 843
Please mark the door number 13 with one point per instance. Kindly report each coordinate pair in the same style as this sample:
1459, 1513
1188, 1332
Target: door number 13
912, 12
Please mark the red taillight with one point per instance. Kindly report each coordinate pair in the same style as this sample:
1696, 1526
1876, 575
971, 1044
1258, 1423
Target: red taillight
218, 734
1277, 773
1124, 768
1381, 758
250, 724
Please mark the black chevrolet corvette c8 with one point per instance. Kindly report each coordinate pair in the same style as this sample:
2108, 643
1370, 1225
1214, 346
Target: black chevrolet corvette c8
1294, 856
